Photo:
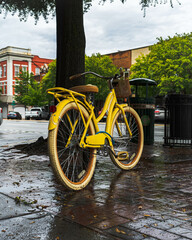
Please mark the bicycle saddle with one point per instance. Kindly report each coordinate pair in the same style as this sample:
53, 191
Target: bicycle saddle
89, 88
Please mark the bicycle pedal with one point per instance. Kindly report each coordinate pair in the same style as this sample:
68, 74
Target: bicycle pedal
123, 156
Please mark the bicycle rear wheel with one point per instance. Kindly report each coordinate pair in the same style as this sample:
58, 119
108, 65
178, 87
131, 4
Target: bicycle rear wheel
72, 165
123, 142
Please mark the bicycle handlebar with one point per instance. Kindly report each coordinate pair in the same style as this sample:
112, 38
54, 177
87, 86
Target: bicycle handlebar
93, 73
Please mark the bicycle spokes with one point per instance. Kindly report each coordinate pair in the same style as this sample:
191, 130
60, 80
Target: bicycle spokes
74, 160
126, 141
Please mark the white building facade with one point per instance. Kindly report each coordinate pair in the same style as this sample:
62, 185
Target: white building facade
12, 61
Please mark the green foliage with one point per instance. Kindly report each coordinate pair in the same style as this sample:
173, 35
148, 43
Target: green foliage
35, 96
46, 8
21, 86
103, 66
25, 8
28, 91
169, 63
49, 80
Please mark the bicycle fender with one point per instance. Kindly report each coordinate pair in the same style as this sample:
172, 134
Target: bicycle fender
55, 116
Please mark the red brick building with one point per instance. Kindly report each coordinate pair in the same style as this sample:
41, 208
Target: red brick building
126, 58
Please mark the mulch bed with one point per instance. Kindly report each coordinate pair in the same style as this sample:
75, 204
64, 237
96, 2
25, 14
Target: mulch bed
36, 148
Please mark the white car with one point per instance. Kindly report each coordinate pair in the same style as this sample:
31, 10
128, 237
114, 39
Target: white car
37, 113
160, 114
1, 116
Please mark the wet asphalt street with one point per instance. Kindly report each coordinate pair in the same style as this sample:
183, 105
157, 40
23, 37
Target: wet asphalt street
153, 201
14, 132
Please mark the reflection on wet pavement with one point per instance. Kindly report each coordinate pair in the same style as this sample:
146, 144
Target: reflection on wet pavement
153, 201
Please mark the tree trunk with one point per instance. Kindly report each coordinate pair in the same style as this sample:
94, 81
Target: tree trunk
70, 42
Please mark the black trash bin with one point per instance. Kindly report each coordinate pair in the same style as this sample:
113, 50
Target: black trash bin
179, 114
145, 106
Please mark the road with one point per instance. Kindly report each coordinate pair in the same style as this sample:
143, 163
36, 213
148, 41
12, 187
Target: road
14, 132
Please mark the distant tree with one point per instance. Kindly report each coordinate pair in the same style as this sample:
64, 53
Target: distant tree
35, 96
70, 30
102, 65
169, 63
49, 81
28, 91
22, 85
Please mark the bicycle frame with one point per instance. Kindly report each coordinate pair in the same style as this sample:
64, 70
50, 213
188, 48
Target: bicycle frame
99, 139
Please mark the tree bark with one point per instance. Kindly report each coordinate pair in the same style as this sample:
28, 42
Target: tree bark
70, 42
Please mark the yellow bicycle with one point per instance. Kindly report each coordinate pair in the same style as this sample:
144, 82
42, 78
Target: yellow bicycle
75, 139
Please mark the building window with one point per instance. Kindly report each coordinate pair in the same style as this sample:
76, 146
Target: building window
37, 71
3, 88
0, 72
24, 68
16, 71
4, 71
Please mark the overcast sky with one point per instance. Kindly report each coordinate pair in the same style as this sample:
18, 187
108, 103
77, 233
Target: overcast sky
109, 28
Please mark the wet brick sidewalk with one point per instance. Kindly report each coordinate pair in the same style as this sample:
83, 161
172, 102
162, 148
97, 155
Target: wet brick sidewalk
153, 201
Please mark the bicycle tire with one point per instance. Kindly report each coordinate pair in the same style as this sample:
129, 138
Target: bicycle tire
72, 165
133, 145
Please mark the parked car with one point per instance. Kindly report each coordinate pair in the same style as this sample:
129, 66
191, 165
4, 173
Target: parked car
14, 115
37, 113
1, 116
160, 114
27, 115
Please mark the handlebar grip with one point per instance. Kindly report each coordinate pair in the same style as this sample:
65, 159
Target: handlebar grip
75, 76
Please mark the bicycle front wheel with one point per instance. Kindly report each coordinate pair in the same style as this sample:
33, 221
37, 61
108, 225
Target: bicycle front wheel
72, 165
125, 143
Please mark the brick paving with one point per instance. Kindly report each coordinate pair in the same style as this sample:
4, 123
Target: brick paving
152, 201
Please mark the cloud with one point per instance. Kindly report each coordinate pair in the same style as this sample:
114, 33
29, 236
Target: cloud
109, 28
118, 26
41, 38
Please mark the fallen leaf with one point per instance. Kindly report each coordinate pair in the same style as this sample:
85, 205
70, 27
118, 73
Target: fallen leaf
34, 201
16, 183
171, 225
44, 206
147, 215
120, 231
146, 226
